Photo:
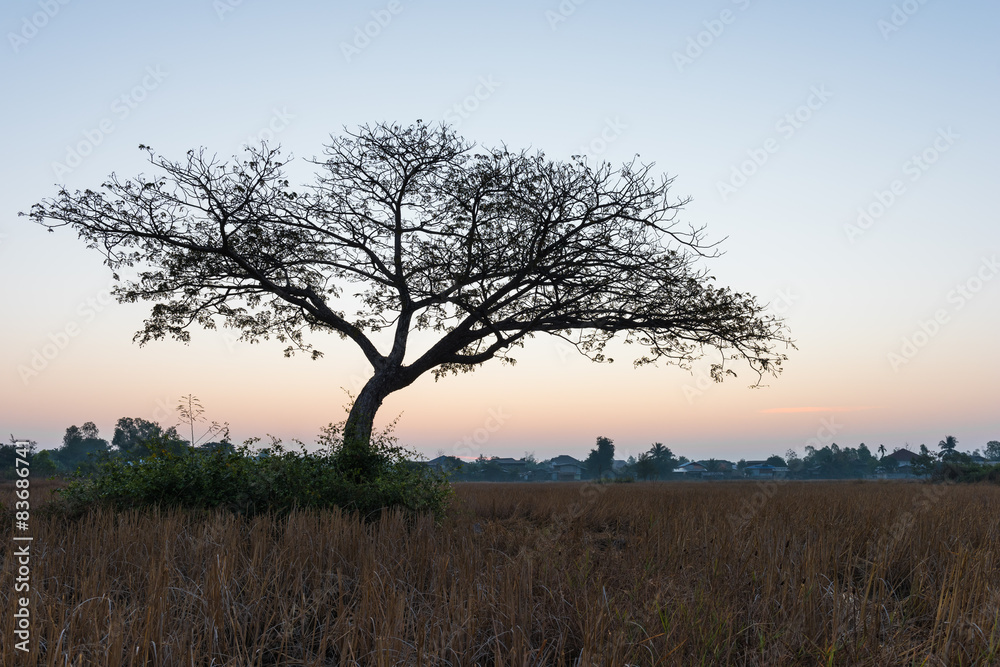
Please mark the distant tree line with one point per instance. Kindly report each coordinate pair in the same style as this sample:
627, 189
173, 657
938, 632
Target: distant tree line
660, 463
134, 439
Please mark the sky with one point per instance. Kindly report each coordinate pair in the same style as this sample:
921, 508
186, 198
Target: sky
844, 153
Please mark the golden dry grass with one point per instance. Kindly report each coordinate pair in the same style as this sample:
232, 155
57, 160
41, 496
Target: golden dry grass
532, 574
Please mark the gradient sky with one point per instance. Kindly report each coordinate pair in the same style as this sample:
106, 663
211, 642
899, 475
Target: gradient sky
784, 122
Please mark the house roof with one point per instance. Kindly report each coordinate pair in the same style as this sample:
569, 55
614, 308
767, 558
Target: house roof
691, 466
564, 460
509, 461
903, 455
724, 464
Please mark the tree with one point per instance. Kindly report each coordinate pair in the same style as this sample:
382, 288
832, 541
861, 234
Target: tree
483, 247
131, 432
881, 451
79, 442
888, 464
43, 465
776, 461
601, 457
191, 411
663, 459
993, 450
796, 465
714, 465
645, 466
9, 455
947, 447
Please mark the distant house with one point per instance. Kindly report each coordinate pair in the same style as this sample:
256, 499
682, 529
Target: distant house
566, 468
512, 466
904, 457
717, 468
541, 473
765, 471
691, 469
721, 464
444, 463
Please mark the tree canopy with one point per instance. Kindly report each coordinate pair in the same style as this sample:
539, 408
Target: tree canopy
418, 229
601, 457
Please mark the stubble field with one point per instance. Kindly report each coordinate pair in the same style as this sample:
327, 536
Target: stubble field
529, 574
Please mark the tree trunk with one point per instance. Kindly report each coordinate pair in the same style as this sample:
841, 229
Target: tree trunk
358, 459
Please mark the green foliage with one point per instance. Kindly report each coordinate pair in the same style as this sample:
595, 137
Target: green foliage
951, 471
993, 450
663, 460
273, 480
43, 465
8, 461
835, 462
79, 444
601, 458
131, 432
645, 466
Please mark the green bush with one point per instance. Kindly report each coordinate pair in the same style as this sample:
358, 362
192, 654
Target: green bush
966, 472
273, 480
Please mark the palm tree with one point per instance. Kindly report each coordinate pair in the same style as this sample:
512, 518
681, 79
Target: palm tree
881, 451
663, 457
947, 447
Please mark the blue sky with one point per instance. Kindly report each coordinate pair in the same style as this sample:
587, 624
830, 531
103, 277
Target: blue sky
784, 123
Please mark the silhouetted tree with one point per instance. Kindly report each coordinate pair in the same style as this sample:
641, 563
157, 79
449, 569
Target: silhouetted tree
663, 459
43, 464
601, 457
78, 443
484, 247
947, 448
217, 446
888, 464
993, 450
881, 451
645, 466
191, 411
132, 432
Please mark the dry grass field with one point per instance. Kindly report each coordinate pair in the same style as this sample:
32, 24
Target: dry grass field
531, 574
